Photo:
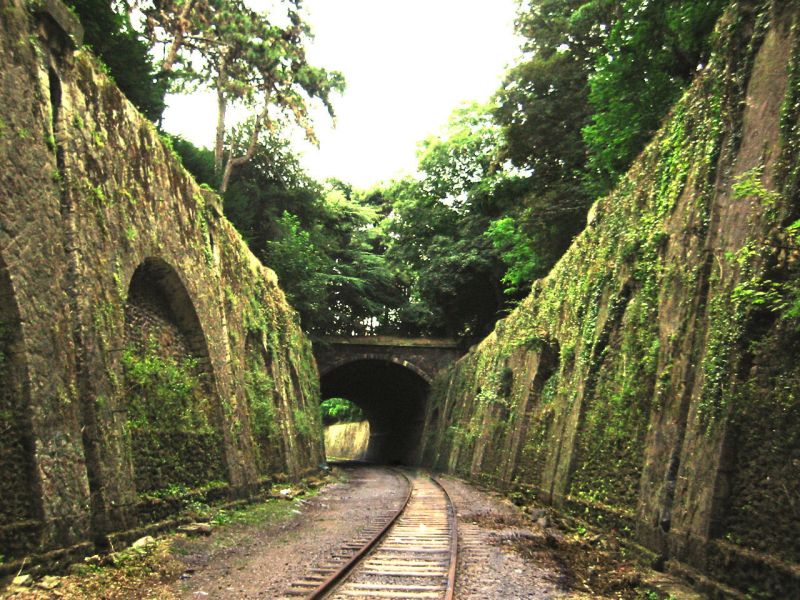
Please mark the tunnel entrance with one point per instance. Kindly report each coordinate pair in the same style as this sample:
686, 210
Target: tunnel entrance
393, 398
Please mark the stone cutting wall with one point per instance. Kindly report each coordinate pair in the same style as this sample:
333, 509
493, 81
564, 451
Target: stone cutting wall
650, 382
89, 193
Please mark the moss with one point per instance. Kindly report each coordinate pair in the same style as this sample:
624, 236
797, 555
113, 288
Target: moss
659, 308
767, 425
169, 420
265, 420
172, 415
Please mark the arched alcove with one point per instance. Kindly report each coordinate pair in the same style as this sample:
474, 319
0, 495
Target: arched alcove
20, 501
393, 398
526, 451
174, 415
261, 392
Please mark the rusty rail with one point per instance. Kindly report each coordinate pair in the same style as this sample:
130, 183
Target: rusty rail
413, 555
451, 573
345, 569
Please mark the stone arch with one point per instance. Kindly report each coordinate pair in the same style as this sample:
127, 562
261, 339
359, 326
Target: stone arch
378, 357
20, 496
174, 413
394, 399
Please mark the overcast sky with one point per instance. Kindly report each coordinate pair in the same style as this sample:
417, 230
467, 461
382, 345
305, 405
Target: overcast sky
408, 64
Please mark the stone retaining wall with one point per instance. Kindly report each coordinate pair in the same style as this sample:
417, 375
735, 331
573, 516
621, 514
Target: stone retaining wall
89, 196
650, 382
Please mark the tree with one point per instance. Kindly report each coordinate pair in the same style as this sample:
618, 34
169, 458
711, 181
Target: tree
302, 268
501, 191
595, 80
604, 71
198, 161
108, 31
255, 59
333, 268
651, 53
449, 271
263, 189
543, 107
340, 410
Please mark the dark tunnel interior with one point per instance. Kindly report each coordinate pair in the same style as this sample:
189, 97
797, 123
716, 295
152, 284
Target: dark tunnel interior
393, 399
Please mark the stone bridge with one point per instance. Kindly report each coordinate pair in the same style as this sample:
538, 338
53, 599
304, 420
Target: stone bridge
424, 356
389, 378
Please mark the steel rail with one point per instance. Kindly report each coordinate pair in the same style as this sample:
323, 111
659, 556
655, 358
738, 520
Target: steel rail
345, 569
451, 573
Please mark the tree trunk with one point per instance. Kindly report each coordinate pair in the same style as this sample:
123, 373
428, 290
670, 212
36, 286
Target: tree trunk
177, 41
235, 161
222, 105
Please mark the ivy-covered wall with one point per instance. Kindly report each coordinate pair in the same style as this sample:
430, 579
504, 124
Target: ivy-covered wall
650, 382
147, 358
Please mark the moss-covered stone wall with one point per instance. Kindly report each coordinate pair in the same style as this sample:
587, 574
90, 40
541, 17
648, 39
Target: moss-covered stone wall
650, 382
152, 357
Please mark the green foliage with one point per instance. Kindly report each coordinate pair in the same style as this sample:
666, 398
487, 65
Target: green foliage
792, 310
263, 189
260, 392
109, 33
653, 49
254, 59
542, 107
302, 422
325, 243
410, 257
448, 270
198, 161
751, 184
517, 252
164, 393
465, 156
501, 191
300, 266
340, 410
361, 284
597, 78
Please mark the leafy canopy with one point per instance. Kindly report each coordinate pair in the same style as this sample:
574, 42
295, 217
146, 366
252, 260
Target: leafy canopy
340, 410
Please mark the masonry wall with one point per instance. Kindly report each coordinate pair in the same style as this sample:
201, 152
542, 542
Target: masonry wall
99, 225
650, 382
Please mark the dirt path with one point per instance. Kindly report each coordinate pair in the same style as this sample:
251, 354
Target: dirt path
488, 567
268, 560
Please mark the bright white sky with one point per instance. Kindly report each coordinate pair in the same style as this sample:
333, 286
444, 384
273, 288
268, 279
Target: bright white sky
408, 64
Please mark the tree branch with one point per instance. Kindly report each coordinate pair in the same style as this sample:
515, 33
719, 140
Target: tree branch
177, 40
235, 161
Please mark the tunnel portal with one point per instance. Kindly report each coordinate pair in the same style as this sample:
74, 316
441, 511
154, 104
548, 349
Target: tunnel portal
393, 398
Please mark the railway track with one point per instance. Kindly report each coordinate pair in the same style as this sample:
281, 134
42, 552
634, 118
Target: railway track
410, 554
